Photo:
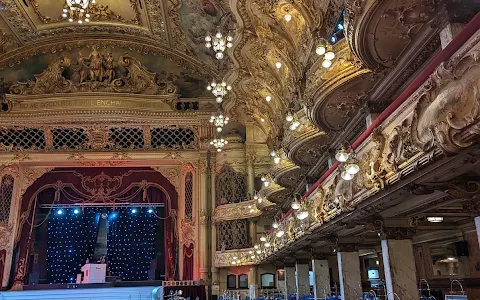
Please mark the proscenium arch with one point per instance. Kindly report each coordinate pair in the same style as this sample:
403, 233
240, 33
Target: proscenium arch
149, 178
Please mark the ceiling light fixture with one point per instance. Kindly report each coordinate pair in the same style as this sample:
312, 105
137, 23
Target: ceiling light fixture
275, 224
288, 17
342, 154
280, 233
278, 65
435, 219
302, 214
218, 143
219, 120
219, 90
268, 98
219, 42
324, 49
77, 10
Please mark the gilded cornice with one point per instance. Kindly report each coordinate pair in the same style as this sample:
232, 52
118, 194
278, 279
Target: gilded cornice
224, 259
236, 211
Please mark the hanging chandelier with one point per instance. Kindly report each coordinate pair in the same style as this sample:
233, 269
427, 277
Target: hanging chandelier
77, 10
219, 42
218, 143
219, 120
219, 90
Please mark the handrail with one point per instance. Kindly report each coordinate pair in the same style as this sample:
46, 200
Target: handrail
458, 41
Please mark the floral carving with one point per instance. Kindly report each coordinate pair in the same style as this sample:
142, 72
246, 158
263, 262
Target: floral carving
97, 73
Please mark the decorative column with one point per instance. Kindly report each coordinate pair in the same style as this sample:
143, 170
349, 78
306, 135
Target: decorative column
302, 280
399, 264
321, 278
202, 186
250, 158
349, 274
477, 226
252, 280
9, 228
214, 271
289, 279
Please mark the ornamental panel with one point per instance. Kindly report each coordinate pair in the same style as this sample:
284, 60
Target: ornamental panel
17, 138
233, 235
230, 186
6, 192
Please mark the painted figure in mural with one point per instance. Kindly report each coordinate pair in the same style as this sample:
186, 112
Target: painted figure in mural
96, 66
109, 68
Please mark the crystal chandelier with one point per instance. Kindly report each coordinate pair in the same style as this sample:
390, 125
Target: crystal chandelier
219, 90
219, 120
218, 143
219, 43
77, 10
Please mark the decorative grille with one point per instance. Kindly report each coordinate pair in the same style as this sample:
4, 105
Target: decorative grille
173, 137
233, 235
189, 196
230, 186
6, 191
23, 138
126, 138
69, 138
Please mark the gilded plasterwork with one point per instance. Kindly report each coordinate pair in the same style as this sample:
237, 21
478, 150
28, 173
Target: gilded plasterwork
234, 211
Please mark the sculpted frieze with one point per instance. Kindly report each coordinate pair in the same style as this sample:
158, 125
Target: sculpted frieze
96, 73
236, 211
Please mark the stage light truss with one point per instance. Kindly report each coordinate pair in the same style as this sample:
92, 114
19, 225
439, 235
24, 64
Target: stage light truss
79, 205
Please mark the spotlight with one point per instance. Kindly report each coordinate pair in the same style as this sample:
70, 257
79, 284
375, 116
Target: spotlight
150, 210
60, 212
134, 210
76, 211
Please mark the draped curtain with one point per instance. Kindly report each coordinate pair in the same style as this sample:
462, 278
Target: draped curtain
131, 242
72, 235
188, 262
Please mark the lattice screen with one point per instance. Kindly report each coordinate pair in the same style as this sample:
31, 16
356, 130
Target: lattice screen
173, 137
69, 138
6, 191
23, 138
126, 138
233, 235
189, 196
230, 186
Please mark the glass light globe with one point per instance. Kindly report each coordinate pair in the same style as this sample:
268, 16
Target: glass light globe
252, 256
263, 179
267, 244
219, 55
250, 252
288, 17
208, 45
229, 87
292, 127
263, 239
208, 38
219, 99
234, 258
342, 155
266, 183
255, 247
273, 154
64, 15
302, 215
219, 150
296, 124
289, 118
280, 233
320, 50
295, 205
87, 15
275, 225
276, 160
259, 251
87, 20
346, 176
64, 10
229, 45
70, 20
229, 38
233, 262
260, 200
352, 168
329, 55
219, 129
268, 98
327, 63
278, 65
218, 35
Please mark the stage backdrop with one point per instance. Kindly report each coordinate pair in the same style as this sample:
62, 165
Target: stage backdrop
99, 185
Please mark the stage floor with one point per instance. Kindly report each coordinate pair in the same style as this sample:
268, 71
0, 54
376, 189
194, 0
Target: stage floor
56, 286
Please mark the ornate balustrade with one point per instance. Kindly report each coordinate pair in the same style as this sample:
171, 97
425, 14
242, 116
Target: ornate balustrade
240, 257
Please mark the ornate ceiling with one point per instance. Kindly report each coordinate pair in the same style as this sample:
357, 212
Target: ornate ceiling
167, 38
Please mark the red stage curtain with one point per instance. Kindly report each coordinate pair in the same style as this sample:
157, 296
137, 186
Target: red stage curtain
188, 262
3, 255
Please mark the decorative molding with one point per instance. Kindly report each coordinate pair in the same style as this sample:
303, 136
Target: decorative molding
172, 174
235, 211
